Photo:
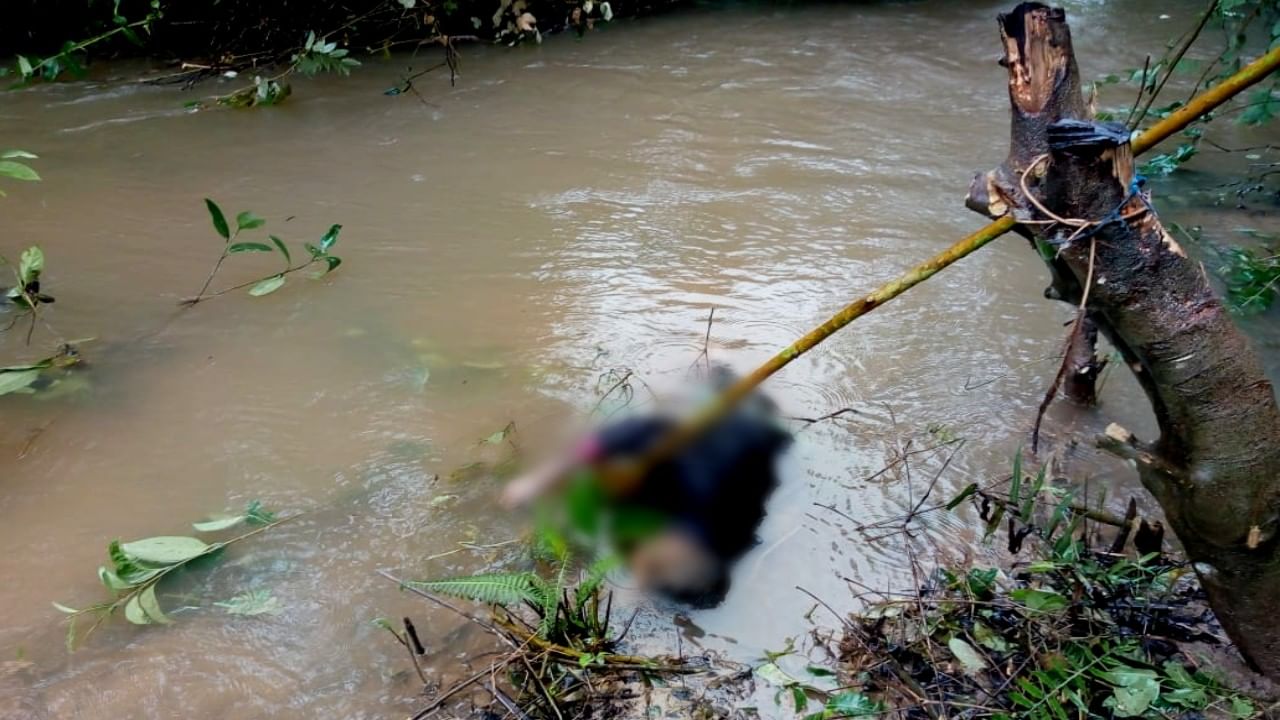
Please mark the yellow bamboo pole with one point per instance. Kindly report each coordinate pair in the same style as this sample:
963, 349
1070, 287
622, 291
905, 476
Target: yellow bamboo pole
622, 476
1207, 101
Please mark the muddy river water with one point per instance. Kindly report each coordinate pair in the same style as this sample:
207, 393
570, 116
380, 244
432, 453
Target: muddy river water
566, 209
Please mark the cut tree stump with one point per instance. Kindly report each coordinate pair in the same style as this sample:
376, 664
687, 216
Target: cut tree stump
1215, 469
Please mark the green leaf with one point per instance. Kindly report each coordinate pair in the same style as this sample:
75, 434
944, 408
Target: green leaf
330, 238
852, 704
333, 262
268, 286
1260, 108
1059, 512
112, 581
989, 638
994, 523
123, 564
24, 66
1166, 163
255, 514
248, 221
17, 171
63, 608
1135, 691
134, 613
980, 582
1039, 600
1241, 708
498, 437
141, 575
252, 602
774, 675
15, 380
41, 365
1029, 501
1125, 676
1188, 697
219, 524
954, 502
151, 606
165, 549
10, 154
288, 259
970, 659
1015, 486
799, 698
30, 265
219, 220
244, 247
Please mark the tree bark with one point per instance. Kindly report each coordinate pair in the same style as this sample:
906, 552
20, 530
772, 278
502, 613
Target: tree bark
1044, 87
1215, 468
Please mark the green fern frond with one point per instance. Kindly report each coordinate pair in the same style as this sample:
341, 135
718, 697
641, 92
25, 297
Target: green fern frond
494, 589
551, 600
596, 573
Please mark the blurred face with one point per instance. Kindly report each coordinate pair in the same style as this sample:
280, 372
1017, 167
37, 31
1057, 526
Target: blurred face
674, 561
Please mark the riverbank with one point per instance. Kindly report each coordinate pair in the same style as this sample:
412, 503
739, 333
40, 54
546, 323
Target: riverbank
50, 40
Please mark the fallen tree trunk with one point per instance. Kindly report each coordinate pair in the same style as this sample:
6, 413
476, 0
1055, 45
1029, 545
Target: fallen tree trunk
1215, 468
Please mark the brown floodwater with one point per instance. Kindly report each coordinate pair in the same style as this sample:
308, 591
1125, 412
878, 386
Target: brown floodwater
566, 209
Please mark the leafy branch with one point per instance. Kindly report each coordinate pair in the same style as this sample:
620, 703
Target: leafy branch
20, 378
317, 55
317, 254
25, 292
51, 67
138, 567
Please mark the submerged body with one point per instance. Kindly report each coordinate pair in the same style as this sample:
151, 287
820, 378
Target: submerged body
701, 507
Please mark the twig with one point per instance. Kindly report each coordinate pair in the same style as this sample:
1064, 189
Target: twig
622, 381
829, 416
706, 344
1142, 89
843, 620
457, 688
608, 660
506, 702
1001, 376
187, 302
1185, 45
414, 646
902, 457
932, 483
